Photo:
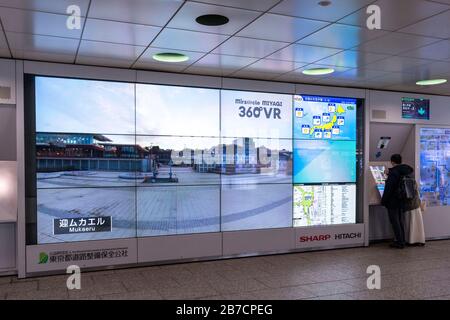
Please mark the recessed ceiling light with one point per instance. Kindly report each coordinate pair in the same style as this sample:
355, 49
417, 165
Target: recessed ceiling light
318, 71
324, 3
212, 20
170, 57
431, 82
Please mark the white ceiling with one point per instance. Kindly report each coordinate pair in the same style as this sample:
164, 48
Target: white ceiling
264, 39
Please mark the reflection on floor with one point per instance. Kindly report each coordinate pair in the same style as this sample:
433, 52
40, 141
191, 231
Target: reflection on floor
413, 273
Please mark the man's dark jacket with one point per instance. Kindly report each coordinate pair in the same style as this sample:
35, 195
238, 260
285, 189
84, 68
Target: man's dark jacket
390, 196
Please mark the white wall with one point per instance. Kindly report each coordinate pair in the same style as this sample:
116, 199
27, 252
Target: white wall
391, 103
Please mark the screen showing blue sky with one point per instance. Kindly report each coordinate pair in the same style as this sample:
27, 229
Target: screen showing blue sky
84, 106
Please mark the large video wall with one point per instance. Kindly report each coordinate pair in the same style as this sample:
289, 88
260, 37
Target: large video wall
120, 160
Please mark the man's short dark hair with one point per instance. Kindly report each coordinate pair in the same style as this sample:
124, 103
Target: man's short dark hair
396, 158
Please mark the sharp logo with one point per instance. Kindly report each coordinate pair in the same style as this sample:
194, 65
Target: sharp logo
325, 237
322, 237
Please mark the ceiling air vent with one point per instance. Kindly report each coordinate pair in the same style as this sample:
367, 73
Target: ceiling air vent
5, 93
378, 114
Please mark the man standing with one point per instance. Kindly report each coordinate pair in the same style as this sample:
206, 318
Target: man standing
392, 200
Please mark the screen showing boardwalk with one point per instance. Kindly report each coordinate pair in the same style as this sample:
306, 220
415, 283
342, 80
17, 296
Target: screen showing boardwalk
118, 160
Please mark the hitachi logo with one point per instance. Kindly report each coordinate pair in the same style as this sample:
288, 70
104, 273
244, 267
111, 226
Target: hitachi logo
348, 236
322, 237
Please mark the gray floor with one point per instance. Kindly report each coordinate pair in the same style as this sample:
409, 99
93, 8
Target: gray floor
413, 273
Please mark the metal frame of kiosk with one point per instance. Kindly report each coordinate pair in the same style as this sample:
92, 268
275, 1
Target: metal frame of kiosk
178, 248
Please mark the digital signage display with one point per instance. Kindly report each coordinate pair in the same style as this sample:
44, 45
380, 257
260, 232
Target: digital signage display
415, 108
317, 161
435, 166
256, 114
178, 111
324, 118
324, 153
84, 106
127, 160
324, 204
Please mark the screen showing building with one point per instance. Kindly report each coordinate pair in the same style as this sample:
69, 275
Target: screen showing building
415, 108
256, 130
324, 153
435, 166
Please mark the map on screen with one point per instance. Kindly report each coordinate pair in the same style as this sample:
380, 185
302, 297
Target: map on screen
324, 118
324, 204
435, 166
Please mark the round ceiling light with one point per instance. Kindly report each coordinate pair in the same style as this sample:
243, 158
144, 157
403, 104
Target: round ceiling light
212, 20
170, 57
318, 71
431, 82
324, 3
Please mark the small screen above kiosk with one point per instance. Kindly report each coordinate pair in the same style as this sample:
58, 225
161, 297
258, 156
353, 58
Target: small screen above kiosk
415, 108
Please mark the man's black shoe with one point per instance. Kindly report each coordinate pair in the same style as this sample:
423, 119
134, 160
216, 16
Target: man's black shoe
397, 245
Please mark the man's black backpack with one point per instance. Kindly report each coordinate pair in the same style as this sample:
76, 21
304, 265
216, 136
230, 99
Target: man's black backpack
408, 192
407, 187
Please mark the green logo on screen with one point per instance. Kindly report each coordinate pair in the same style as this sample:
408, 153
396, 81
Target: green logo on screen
43, 258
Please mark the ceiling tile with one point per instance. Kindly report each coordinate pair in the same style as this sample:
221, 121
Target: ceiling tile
4, 53
43, 56
151, 12
437, 26
431, 70
395, 43
359, 74
247, 47
108, 50
209, 71
397, 14
298, 73
223, 62
352, 59
310, 9
436, 51
247, 74
59, 6
158, 66
34, 22
37, 43
146, 60
395, 78
341, 36
397, 64
273, 66
281, 28
258, 5
119, 32
296, 77
96, 61
185, 18
336, 82
188, 40
303, 53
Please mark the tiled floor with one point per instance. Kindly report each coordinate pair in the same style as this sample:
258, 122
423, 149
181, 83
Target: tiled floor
413, 273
